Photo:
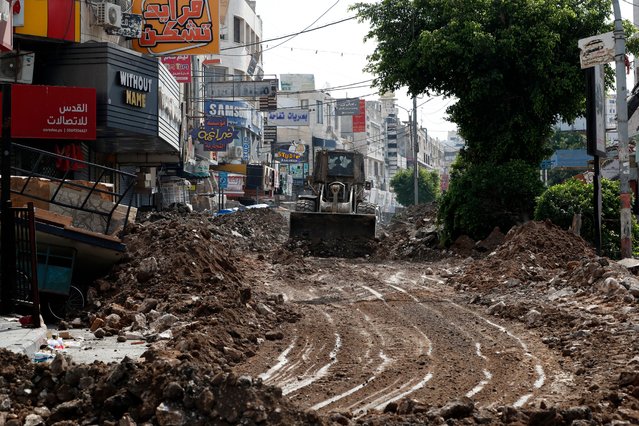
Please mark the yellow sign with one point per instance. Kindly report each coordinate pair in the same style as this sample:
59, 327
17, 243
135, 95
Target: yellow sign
178, 27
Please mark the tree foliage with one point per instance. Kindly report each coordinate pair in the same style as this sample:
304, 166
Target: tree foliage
513, 65
481, 197
403, 183
560, 203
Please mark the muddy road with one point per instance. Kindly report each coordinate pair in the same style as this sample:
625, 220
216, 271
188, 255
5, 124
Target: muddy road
374, 333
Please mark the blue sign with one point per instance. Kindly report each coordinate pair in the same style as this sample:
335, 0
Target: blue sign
223, 180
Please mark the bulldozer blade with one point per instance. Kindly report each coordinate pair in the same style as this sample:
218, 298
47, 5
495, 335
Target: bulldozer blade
331, 226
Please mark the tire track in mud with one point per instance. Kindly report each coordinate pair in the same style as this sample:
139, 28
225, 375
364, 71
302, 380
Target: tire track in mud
374, 334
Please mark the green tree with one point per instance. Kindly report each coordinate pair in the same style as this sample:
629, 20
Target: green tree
513, 65
483, 196
403, 183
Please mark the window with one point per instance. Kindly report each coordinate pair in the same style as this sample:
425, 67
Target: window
304, 103
212, 75
238, 29
320, 112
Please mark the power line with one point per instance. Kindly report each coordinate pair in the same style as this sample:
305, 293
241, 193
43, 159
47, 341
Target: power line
291, 35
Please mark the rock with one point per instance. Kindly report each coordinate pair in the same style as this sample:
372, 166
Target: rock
457, 409
33, 420
610, 286
274, 335
627, 378
77, 323
233, 354
113, 320
167, 416
126, 420
164, 322
576, 413
97, 323
173, 391
99, 333
148, 267
139, 322
533, 318
59, 365
43, 411
147, 305
263, 309
496, 309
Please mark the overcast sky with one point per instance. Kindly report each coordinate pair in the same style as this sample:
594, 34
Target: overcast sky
336, 54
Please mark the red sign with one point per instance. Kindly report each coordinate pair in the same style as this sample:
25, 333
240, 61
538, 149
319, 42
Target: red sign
179, 66
53, 112
359, 120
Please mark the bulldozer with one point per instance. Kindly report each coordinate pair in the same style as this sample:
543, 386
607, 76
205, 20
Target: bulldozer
335, 208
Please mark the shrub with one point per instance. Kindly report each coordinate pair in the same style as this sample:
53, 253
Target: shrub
560, 202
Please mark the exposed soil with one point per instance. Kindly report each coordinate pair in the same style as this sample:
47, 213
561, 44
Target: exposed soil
245, 327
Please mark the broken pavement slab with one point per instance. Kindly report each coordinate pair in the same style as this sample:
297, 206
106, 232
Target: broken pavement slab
630, 263
86, 348
22, 340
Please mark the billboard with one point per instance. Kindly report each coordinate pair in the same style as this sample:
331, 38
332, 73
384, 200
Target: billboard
57, 19
53, 112
178, 27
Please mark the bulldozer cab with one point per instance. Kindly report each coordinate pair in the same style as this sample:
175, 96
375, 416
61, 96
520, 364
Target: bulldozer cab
339, 166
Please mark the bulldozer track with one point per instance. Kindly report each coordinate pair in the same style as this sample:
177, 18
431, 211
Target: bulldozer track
374, 334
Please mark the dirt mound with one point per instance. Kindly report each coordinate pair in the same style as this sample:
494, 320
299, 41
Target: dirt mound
181, 287
412, 234
534, 251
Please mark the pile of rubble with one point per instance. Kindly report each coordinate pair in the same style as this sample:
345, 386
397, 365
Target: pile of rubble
180, 288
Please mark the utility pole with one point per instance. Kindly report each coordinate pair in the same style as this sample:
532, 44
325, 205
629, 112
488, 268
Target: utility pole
622, 128
415, 150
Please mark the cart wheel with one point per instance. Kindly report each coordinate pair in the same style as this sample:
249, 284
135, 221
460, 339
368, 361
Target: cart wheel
60, 306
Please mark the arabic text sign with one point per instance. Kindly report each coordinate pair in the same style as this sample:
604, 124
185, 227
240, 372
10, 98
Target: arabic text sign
597, 50
188, 27
347, 106
287, 117
179, 66
239, 89
53, 112
215, 134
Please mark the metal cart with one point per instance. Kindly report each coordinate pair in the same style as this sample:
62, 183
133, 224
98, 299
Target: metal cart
55, 273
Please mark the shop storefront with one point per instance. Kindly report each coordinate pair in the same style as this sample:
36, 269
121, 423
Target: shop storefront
138, 108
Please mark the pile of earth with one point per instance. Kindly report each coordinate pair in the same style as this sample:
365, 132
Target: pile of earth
413, 234
181, 288
581, 305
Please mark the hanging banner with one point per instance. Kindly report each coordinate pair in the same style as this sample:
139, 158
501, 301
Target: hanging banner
172, 27
287, 117
359, 120
215, 134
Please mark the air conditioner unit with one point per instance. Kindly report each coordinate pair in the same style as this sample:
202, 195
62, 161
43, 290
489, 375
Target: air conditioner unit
236, 151
17, 67
108, 15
